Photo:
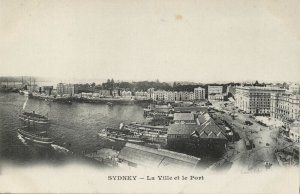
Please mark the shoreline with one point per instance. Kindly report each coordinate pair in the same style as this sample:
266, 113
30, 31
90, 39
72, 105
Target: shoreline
92, 101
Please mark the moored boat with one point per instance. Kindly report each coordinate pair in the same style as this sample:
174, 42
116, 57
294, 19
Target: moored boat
120, 135
33, 117
38, 138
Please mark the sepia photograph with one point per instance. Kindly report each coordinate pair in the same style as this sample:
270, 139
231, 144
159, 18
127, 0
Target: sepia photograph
157, 96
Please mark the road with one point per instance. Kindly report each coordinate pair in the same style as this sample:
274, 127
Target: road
264, 140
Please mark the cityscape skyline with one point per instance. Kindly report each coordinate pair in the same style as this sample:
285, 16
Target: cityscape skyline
184, 41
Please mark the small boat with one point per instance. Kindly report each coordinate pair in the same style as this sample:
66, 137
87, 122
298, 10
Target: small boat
109, 104
33, 117
120, 135
34, 137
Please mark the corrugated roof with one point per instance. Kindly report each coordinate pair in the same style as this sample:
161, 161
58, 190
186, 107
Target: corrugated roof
190, 109
183, 117
207, 128
157, 158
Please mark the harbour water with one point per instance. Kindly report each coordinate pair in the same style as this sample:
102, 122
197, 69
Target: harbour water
73, 127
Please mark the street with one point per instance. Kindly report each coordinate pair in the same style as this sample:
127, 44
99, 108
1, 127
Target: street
262, 140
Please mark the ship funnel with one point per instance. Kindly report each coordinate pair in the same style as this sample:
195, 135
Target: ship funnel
121, 125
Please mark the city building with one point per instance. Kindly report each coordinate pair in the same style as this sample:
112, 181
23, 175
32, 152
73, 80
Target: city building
159, 95
169, 96
150, 92
115, 93
79, 88
216, 97
294, 130
285, 107
214, 90
294, 88
191, 96
104, 93
206, 136
65, 89
141, 95
255, 100
47, 90
125, 93
199, 93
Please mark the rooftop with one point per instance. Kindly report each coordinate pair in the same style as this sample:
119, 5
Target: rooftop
207, 128
183, 117
259, 88
190, 109
156, 158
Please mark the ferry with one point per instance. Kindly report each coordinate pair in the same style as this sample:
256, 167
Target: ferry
148, 130
122, 135
38, 138
33, 117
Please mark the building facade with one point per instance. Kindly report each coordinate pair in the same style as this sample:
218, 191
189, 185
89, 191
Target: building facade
65, 89
216, 97
255, 100
199, 93
294, 130
125, 93
294, 88
141, 95
215, 90
285, 107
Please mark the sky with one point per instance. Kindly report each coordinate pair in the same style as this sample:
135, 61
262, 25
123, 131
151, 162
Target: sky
169, 40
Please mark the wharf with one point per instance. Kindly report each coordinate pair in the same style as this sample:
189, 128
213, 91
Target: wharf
104, 155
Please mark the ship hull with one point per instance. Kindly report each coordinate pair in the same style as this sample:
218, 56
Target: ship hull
120, 139
33, 120
32, 117
32, 138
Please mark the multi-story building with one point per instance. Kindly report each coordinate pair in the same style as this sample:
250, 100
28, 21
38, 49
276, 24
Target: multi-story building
215, 90
125, 93
69, 89
150, 92
60, 89
216, 97
254, 99
79, 88
169, 96
294, 130
47, 90
294, 88
104, 93
159, 95
177, 96
141, 95
199, 93
184, 96
191, 96
115, 93
285, 107
65, 89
